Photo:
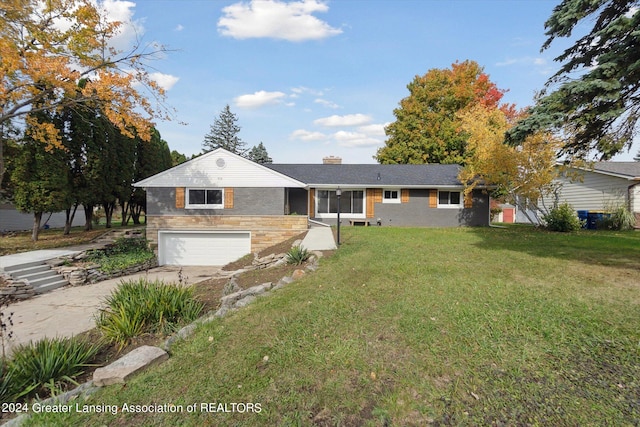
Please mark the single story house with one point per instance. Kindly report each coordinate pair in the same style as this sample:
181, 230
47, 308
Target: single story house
220, 206
605, 186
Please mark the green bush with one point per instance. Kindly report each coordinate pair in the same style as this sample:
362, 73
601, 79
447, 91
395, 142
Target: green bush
140, 306
619, 219
562, 218
124, 253
47, 366
297, 255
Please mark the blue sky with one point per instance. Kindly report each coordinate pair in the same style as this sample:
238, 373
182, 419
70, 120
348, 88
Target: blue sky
312, 78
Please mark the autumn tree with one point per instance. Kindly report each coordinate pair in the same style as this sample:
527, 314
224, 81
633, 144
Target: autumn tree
427, 126
53, 48
223, 133
259, 154
521, 175
594, 99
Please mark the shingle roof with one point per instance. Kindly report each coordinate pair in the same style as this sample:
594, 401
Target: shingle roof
372, 175
630, 169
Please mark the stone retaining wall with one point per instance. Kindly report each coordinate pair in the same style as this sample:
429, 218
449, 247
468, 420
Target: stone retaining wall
88, 274
15, 289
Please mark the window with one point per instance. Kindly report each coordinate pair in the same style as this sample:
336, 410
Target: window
448, 199
351, 202
205, 198
391, 196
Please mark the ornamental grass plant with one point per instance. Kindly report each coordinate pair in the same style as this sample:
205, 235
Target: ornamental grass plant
141, 306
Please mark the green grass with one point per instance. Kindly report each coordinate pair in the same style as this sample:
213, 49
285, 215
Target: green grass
414, 327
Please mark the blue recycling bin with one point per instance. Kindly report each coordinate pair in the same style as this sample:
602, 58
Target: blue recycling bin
583, 216
594, 218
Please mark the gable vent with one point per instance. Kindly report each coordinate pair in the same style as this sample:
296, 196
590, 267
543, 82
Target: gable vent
220, 162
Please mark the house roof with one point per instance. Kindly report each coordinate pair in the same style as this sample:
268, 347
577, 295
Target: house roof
624, 169
219, 168
371, 175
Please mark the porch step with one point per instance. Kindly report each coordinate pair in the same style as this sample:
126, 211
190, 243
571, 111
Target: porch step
38, 274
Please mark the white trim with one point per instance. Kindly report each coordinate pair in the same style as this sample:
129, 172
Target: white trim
182, 175
342, 214
459, 205
188, 205
396, 199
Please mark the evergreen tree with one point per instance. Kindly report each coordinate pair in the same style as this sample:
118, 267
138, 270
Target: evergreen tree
637, 157
224, 134
40, 177
594, 103
259, 154
177, 158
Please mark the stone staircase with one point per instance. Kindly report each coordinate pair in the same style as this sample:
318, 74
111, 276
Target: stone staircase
38, 274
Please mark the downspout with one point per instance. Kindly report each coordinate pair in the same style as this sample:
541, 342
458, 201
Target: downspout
630, 198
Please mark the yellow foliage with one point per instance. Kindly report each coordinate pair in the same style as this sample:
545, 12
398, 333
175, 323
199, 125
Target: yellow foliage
526, 171
47, 49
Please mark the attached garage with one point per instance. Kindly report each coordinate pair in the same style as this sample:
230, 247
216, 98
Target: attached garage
202, 247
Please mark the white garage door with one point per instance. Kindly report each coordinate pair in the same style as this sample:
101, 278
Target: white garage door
202, 248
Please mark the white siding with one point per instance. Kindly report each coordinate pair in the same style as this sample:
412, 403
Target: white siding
219, 169
595, 192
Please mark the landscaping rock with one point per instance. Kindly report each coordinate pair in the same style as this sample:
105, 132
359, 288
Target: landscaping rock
122, 369
297, 274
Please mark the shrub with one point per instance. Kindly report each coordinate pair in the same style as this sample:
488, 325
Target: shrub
124, 253
562, 218
49, 365
297, 255
138, 307
619, 219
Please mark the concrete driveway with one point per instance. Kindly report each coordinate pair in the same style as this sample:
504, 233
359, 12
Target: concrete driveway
70, 310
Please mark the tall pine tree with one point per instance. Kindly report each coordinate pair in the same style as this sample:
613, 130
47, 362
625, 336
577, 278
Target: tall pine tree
224, 134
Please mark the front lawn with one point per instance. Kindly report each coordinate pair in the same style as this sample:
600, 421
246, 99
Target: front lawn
415, 327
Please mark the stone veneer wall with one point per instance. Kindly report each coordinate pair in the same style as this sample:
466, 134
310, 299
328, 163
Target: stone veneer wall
265, 230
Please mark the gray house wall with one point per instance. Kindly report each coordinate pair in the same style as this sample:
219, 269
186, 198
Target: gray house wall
417, 213
246, 201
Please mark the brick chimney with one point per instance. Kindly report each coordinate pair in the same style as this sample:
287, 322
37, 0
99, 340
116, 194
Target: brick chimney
332, 160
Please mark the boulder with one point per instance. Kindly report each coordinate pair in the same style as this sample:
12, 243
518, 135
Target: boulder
122, 369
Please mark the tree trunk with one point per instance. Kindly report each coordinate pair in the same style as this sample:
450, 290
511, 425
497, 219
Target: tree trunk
135, 214
108, 212
88, 218
68, 222
125, 213
37, 218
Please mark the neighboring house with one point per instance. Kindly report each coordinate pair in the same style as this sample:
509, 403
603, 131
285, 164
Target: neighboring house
12, 219
218, 207
604, 187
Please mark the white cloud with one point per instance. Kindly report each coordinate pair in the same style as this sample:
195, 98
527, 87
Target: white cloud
165, 81
540, 64
292, 21
302, 90
130, 30
179, 27
305, 135
374, 130
355, 139
259, 99
347, 120
328, 104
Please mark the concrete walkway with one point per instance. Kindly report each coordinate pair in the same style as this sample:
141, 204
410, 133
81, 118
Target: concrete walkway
70, 310
319, 238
